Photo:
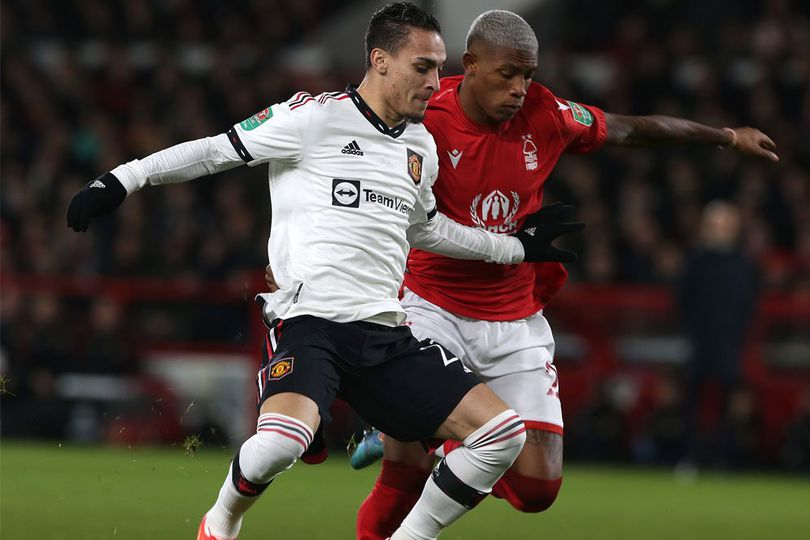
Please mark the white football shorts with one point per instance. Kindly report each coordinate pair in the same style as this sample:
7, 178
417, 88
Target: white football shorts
514, 358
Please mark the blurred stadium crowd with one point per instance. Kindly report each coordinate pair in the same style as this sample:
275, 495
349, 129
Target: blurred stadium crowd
89, 84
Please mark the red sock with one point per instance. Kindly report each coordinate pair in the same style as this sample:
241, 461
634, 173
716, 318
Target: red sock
525, 493
396, 491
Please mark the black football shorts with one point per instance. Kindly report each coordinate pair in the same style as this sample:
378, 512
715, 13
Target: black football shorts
403, 387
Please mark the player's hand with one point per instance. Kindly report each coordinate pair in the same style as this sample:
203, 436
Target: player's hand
752, 141
272, 286
545, 226
98, 197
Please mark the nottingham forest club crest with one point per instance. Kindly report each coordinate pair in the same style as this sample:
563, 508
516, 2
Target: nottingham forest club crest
496, 212
529, 153
415, 166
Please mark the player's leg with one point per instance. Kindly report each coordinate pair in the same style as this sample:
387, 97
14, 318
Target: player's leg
534, 480
405, 468
422, 392
294, 391
515, 359
284, 430
530, 485
492, 436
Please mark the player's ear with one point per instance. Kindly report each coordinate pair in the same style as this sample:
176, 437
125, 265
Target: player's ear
470, 63
379, 61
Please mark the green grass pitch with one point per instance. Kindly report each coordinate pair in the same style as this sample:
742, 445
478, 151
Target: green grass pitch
51, 492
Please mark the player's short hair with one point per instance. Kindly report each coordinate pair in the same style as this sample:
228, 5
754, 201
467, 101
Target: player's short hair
389, 27
502, 28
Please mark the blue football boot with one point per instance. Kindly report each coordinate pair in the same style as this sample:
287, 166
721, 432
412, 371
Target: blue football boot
368, 450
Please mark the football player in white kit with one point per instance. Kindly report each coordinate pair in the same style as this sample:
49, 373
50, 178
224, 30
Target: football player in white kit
350, 177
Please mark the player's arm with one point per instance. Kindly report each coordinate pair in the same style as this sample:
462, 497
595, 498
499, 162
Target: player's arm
251, 142
178, 163
532, 243
440, 234
655, 129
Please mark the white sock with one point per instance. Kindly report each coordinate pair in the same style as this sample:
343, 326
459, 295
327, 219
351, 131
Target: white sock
432, 513
224, 519
465, 477
278, 443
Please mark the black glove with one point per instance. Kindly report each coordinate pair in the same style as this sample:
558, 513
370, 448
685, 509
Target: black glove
96, 198
545, 226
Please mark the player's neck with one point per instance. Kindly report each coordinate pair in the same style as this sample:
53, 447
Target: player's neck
374, 98
472, 109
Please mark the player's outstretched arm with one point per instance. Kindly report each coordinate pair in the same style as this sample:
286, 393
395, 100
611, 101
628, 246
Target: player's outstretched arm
650, 130
442, 235
532, 243
178, 163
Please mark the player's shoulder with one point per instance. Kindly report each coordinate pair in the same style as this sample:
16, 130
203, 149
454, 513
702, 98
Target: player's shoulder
326, 102
443, 111
539, 98
444, 98
418, 134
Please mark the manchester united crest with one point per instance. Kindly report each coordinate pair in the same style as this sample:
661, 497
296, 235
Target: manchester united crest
415, 166
280, 368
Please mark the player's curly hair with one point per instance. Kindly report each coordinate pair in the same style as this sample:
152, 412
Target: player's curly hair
389, 27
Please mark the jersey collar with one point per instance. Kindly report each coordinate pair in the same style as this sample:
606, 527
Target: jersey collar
372, 117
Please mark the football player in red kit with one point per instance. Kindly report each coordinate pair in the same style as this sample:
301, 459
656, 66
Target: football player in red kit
499, 135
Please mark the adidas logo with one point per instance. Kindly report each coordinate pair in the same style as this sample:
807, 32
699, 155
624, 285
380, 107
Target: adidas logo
98, 184
531, 231
352, 148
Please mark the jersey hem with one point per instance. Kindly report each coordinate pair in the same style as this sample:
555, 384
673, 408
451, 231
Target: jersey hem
471, 313
370, 312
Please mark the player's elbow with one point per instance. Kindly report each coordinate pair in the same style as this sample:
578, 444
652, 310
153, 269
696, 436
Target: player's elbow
424, 236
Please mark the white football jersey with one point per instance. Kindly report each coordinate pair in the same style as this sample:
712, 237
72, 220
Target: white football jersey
344, 190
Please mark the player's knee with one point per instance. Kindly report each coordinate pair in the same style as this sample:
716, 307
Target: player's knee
275, 453
514, 445
278, 443
537, 501
531, 495
502, 442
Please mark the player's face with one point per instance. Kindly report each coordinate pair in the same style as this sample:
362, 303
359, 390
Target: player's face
499, 78
414, 73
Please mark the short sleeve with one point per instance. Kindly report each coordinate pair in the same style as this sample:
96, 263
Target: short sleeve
582, 126
272, 133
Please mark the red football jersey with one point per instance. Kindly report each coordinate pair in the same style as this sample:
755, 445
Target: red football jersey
492, 177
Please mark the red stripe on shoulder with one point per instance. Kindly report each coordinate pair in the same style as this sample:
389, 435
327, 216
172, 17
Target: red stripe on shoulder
337, 96
307, 100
